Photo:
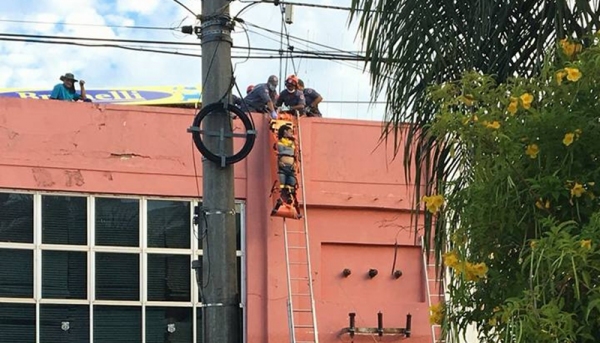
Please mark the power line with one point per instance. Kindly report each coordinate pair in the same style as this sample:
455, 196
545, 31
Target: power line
28, 40
301, 39
307, 54
185, 7
62, 39
89, 25
329, 7
117, 40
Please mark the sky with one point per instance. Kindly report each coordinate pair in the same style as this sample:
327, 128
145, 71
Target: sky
39, 66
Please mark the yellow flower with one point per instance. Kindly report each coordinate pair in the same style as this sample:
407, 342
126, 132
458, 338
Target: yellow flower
467, 99
493, 125
568, 140
475, 271
569, 48
436, 313
533, 244
586, 244
577, 190
573, 74
450, 259
526, 99
513, 106
532, 150
434, 202
541, 205
560, 75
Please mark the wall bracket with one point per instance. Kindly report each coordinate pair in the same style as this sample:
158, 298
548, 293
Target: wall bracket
352, 330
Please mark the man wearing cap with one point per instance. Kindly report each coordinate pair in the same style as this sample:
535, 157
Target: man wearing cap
262, 97
312, 100
66, 91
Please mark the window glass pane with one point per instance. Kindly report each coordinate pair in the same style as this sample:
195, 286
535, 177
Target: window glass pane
172, 325
17, 323
64, 323
16, 218
238, 230
16, 273
169, 224
117, 276
117, 222
169, 277
64, 220
117, 324
64, 274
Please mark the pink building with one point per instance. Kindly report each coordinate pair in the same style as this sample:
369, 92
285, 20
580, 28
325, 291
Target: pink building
96, 236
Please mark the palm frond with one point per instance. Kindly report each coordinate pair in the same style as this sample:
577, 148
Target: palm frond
411, 45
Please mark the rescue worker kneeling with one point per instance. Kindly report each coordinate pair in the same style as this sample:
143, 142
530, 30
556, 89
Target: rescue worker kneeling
286, 158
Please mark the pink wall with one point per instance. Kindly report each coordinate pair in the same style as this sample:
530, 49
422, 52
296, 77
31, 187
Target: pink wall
358, 202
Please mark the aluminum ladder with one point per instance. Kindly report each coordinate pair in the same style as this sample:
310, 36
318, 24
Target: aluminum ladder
433, 297
302, 317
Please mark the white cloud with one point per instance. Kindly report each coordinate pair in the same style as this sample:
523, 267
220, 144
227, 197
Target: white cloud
40, 65
145, 7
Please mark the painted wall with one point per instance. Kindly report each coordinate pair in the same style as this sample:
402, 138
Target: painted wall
357, 198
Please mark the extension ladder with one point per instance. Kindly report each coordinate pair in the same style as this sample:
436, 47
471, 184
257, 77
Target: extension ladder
302, 316
435, 294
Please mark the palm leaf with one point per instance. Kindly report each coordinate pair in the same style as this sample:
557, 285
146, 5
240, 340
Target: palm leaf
411, 45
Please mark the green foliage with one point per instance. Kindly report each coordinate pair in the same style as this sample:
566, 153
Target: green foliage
524, 200
413, 44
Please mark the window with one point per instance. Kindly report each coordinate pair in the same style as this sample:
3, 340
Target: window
101, 269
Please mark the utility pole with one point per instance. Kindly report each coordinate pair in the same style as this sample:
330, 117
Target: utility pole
221, 311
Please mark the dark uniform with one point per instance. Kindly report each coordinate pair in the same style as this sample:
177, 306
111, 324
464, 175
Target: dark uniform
259, 97
311, 95
291, 99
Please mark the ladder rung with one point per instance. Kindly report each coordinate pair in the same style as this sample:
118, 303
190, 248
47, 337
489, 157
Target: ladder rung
298, 263
295, 231
305, 341
304, 326
299, 278
297, 247
300, 294
303, 310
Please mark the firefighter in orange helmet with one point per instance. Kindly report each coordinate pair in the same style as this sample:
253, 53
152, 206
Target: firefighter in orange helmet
291, 96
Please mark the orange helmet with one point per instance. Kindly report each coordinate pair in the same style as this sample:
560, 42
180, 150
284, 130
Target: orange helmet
292, 80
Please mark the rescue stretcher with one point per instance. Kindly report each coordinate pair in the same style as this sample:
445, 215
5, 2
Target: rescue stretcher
281, 207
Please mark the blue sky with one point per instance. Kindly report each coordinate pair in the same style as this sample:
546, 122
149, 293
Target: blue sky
29, 65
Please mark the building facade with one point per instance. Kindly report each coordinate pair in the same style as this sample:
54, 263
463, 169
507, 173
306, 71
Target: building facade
97, 236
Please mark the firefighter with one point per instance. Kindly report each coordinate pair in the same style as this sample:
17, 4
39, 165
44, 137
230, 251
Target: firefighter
286, 168
291, 96
312, 98
262, 96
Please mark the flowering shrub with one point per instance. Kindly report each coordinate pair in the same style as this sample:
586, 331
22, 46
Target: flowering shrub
522, 214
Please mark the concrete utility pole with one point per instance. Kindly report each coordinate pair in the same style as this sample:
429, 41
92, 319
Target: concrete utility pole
220, 289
